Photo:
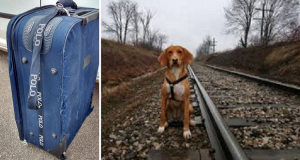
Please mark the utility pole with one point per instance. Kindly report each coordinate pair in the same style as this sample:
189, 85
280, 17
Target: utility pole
214, 45
263, 9
262, 21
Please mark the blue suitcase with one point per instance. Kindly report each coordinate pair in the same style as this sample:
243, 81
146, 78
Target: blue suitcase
53, 62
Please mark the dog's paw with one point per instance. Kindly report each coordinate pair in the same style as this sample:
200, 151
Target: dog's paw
187, 134
192, 123
161, 129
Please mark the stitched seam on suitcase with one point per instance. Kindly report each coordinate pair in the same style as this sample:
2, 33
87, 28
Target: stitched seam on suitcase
62, 83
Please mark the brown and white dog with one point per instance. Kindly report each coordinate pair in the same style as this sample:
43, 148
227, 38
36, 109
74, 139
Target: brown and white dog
175, 104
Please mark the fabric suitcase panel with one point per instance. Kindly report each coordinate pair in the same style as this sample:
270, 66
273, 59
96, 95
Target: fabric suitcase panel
52, 84
74, 53
79, 81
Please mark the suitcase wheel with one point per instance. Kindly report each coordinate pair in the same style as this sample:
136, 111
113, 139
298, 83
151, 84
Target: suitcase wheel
64, 155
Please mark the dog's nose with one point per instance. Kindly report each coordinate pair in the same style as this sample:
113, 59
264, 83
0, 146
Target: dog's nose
175, 60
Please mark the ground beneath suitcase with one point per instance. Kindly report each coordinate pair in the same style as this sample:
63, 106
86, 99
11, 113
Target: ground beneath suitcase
84, 146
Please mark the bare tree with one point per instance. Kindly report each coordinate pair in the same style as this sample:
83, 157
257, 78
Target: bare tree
292, 33
281, 13
205, 47
129, 10
121, 13
239, 18
161, 40
151, 39
127, 20
115, 12
154, 40
135, 21
255, 40
145, 21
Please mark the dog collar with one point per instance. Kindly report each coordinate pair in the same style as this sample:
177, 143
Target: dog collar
172, 84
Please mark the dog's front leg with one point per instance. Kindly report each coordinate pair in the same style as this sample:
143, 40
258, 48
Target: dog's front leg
186, 121
163, 115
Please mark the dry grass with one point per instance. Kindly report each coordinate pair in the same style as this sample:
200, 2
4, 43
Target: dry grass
120, 63
123, 86
279, 61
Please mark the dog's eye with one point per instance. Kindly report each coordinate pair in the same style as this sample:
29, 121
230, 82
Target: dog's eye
170, 52
179, 51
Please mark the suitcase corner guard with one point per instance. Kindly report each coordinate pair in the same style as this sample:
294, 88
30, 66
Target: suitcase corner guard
60, 150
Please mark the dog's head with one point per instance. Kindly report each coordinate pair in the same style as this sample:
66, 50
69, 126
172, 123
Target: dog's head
175, 56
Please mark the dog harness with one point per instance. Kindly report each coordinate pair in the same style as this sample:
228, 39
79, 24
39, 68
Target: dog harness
172, 84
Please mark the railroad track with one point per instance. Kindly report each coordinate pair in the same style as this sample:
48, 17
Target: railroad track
242, 125
280, 85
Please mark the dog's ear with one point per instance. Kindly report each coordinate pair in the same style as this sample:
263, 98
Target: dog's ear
163, 58
187, 56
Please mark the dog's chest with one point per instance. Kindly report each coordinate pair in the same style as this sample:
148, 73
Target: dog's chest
178, 90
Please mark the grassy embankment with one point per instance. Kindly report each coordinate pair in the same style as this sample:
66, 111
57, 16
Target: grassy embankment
122, 63
279, 61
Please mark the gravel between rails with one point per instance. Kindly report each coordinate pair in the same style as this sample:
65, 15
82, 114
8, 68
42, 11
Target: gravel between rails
280, 109
133, 133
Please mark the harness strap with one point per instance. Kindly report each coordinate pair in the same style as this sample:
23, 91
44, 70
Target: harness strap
172, 84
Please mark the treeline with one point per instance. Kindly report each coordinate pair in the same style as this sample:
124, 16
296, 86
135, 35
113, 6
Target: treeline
205, 48
129, 25
262, 22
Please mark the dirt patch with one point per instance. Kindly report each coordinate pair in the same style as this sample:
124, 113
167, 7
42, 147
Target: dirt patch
117, 105
121, 62
279, 62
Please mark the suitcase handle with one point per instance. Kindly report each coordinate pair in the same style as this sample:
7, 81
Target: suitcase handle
68, 3
87, 15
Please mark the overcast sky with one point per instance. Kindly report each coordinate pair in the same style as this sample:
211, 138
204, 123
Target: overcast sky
187, 22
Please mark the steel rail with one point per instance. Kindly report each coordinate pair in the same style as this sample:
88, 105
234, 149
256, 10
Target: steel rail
222, 140
283, 86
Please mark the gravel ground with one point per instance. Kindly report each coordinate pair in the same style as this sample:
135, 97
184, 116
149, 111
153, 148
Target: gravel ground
269, 114
278, 111
133, 132
84, 146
